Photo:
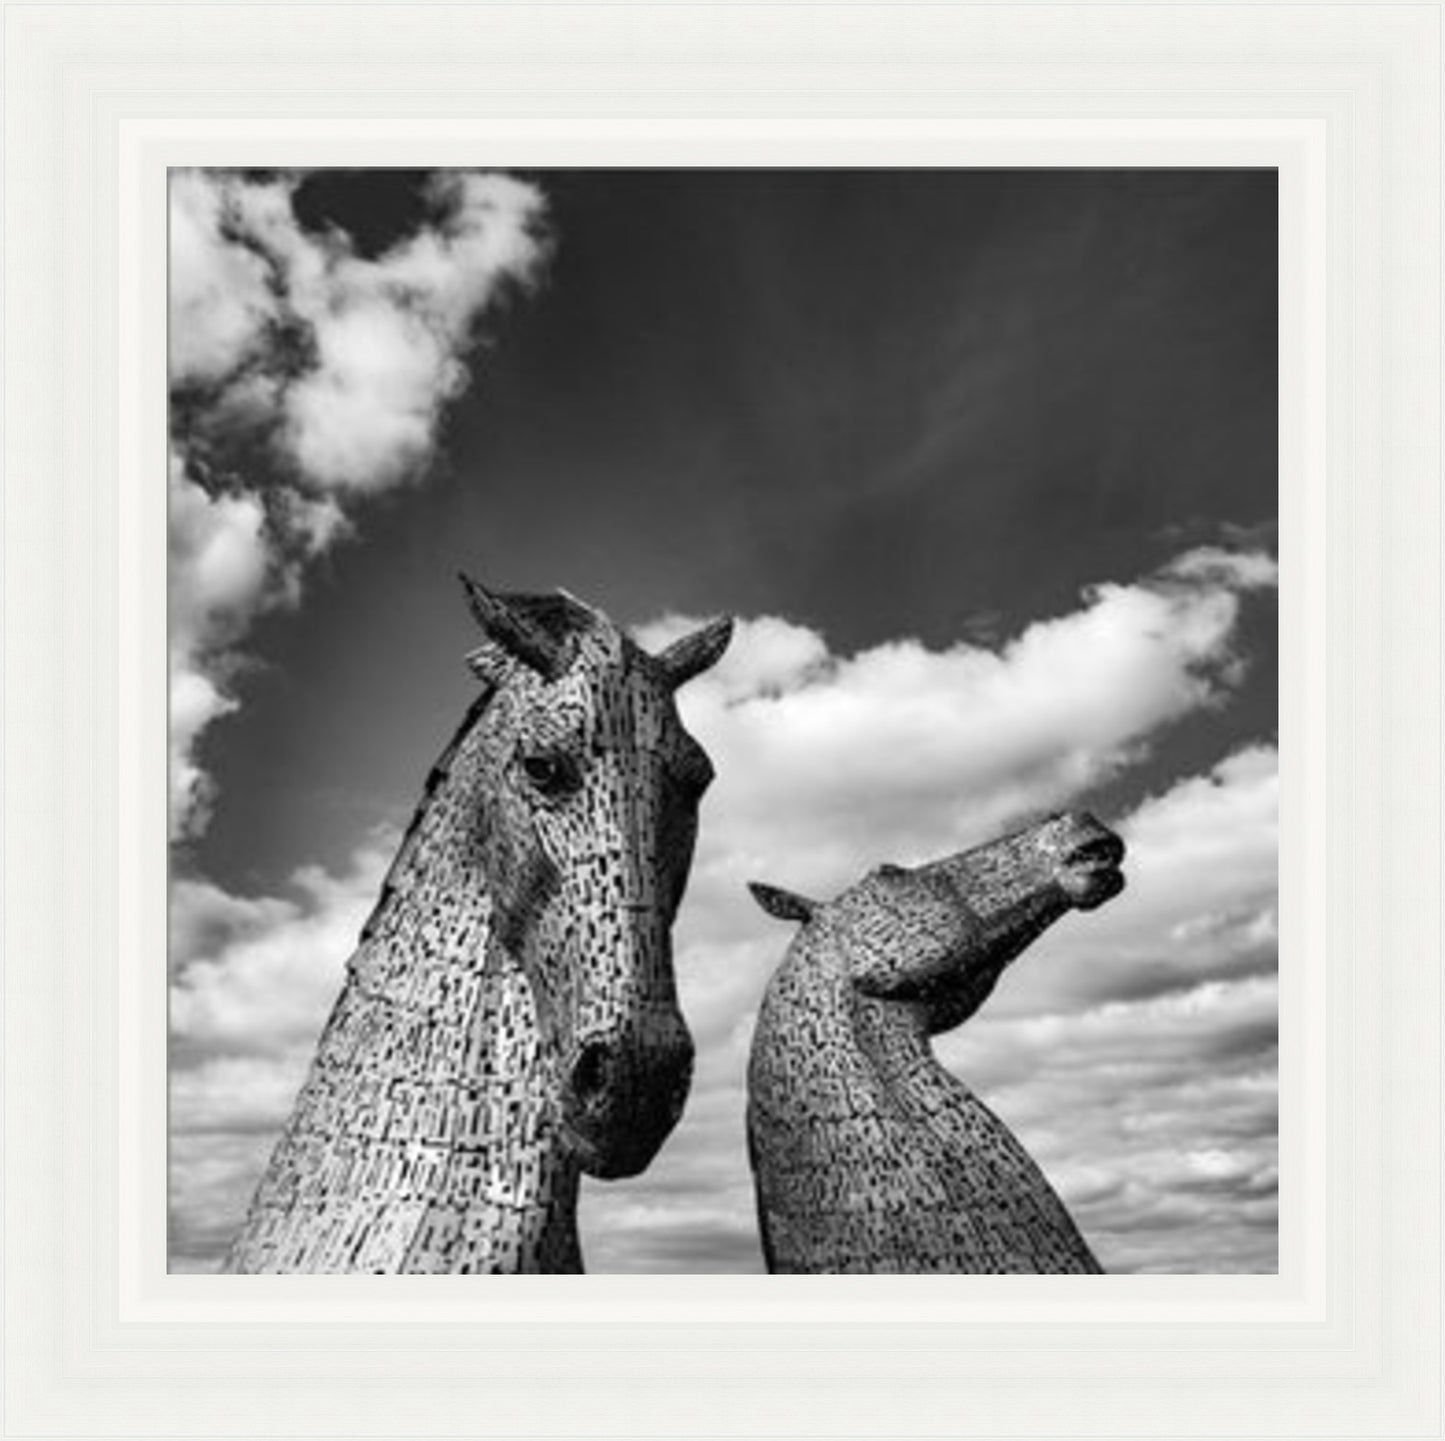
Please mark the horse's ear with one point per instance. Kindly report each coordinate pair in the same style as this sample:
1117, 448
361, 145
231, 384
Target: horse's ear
515, 633
696, 652
783, 905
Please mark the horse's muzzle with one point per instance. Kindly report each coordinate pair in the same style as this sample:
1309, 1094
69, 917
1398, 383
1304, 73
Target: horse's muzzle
622, 1097
1088, 855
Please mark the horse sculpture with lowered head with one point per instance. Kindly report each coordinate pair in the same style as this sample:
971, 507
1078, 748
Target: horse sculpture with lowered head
867, 1154
509, 1018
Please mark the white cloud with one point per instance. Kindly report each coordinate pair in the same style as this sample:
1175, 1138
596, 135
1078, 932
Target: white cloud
255, 975
220, 560
389, 332
364, 416
1157, 1119
900, 752
1132, 1048
221, 298
195, 701
221, 568
341, 364
1243, 568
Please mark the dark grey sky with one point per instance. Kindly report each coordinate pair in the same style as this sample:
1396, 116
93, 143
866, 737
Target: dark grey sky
928, 403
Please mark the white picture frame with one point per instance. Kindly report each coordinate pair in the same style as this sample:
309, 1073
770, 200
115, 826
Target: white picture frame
100, 100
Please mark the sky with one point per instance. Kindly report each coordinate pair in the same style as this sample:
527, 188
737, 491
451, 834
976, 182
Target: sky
983, 461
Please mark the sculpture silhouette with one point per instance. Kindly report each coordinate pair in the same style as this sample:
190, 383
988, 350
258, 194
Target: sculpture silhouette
509, 1018
867, 1155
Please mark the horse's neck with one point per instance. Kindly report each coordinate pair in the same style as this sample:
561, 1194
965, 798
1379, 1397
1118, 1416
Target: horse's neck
465, 1022
843, 1083
807, 1065
426, 1136
819, 1038
1018, 1221
484, 1098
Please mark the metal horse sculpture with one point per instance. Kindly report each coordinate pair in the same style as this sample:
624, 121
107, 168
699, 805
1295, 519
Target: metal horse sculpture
509, 1019
868, 1155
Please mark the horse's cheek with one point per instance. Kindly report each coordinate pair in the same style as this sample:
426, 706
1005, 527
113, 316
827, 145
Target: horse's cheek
520, 873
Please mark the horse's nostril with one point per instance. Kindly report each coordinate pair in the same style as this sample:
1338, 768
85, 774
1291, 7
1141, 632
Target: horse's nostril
589, 1072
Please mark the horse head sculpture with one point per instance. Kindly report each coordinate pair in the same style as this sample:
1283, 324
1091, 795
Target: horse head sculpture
867, 1154
587, 788
510, 1016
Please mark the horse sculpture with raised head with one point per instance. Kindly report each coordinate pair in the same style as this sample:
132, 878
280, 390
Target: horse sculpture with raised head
509, 1018
867, 1154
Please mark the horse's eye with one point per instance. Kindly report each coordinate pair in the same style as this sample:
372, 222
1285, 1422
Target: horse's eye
552, 775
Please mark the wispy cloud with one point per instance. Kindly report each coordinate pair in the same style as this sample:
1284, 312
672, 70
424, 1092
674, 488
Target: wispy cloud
304, 376
1132, 1048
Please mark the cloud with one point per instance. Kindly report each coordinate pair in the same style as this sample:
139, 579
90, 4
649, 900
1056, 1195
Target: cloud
1245, 569
254, 975
220, 570
1157, 1120
1132, 1048
303, 377
221, 298
901, 753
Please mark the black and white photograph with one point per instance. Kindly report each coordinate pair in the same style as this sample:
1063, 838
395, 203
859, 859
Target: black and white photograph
724, 721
